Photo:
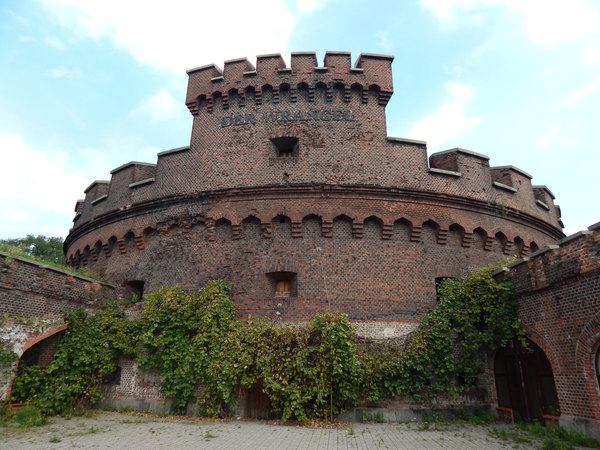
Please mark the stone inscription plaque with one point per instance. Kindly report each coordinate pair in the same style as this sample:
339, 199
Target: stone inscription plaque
318, 115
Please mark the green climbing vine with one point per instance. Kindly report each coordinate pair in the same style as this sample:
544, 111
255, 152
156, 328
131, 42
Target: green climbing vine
87, 353
311, 371
7, 357
445, 354
181, 335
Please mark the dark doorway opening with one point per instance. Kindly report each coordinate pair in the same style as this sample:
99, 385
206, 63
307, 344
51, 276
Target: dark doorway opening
258, 405
525, 382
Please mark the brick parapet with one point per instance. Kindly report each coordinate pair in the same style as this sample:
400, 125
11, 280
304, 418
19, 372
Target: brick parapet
209, 84
32, 290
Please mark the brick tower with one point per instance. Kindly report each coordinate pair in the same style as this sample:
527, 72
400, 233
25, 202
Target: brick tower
292, 192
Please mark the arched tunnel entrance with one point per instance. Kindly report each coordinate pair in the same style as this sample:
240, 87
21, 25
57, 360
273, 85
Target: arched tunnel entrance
42, 352
38, 353
525, 382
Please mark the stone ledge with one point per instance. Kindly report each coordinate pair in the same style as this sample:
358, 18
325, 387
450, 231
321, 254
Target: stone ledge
405, 140
175, 150
445, 172
506, 187
141, 182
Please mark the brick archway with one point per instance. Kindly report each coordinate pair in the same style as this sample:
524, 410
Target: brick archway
525, 382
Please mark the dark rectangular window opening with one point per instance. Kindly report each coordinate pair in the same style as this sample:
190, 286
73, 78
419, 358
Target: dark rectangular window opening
134, 291
113, 378
285, 147
283, 284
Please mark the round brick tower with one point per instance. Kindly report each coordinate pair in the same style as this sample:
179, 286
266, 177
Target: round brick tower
292, 192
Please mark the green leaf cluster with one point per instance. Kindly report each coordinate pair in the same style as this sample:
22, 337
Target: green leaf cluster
445, 354
181, 334
87, 353
7, 357
314, 370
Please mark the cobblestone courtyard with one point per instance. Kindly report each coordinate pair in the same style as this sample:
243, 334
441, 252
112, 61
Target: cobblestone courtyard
109, 430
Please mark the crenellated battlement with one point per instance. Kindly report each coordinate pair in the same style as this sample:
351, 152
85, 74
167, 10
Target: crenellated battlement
456, 175
241, 82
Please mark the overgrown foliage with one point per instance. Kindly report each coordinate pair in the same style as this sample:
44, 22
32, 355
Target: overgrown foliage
7, 357
87, 354
312, 371
39, 247
307, 372
445, 354
45, 250
182, 334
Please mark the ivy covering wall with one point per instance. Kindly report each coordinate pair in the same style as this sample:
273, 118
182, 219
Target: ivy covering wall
312, 371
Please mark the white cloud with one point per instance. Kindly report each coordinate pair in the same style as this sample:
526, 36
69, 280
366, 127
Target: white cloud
583, 93
55, 42
555, 139
160, 106
592, 55
547, 22
309, 6
454, 13
449, 121
179, 35
34, 186
63, 72
384, 40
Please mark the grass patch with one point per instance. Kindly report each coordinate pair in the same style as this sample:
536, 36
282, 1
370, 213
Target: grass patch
550, 437
29, 416
19, 253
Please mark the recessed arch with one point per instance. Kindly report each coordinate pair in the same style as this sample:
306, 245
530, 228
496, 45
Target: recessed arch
520, 249
456, 235
251, 227
402, 229
223, 230
479, 238
302, 92
430, 231
312, 226
372, 228
267, 93
285, 93
500, 242
525, 381
282, 227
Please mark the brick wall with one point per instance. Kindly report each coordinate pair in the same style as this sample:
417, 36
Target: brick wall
558, 289
32, 300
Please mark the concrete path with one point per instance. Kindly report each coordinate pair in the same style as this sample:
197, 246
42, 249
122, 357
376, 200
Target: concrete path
106, 430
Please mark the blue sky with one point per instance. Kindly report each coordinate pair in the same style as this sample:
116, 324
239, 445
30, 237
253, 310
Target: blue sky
86, 86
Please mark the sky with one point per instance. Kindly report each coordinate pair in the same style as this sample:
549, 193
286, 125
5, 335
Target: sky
88, 85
